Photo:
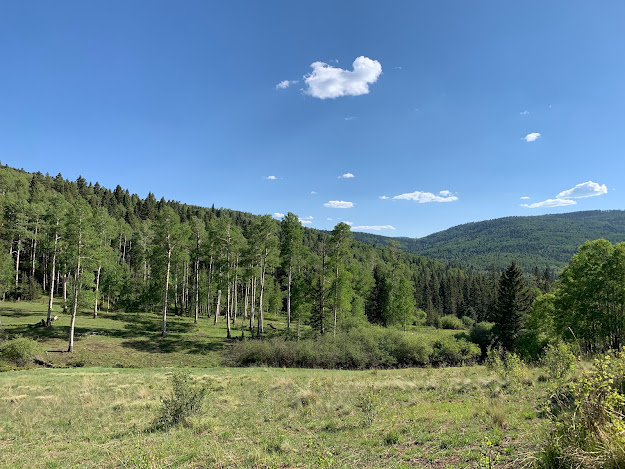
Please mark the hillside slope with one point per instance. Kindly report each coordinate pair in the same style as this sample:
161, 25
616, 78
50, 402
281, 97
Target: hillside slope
533, 241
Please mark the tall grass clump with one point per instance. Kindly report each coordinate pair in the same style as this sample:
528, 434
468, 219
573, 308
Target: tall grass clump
184, 401
360, 348
588, 417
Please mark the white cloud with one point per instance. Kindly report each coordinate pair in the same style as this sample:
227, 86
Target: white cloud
350, 118
425, 197
550, 203
524, 113
271, 178
329, 219
532, 137
338, 204
306, 222
525, 197
313, 192
309, 217
326, 81
285, 84
445, 193
585, 189
346, 176
350, 223
278, 215
373, 227
383, 197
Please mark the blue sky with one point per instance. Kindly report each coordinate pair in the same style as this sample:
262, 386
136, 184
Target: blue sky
454, 111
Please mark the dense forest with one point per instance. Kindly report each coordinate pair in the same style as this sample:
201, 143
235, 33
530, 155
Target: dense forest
91, 246
536, 242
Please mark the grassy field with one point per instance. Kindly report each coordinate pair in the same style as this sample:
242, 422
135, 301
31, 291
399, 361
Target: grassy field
103, 416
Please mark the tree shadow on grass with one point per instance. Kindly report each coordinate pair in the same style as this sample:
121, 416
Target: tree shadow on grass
173, 343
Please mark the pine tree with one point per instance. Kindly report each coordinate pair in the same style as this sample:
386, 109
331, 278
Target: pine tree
512, 306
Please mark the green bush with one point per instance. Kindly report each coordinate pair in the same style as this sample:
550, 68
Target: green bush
361, 348
558, 360
588, 418
20, 351
467, 321
184, 401
451, 322
482, 335
451, 351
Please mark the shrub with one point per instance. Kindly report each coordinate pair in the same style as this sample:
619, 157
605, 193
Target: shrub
450, 351
20, 351
558, 360
482, 335
451, 322
589, 419
364, 347
507, 365
184, 401
467, 321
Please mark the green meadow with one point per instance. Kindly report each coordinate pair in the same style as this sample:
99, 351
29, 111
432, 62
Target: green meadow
98, 405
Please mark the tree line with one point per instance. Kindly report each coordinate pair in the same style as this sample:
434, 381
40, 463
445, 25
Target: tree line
88, 246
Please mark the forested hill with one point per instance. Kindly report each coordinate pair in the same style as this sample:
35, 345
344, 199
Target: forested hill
146, 254
534, 241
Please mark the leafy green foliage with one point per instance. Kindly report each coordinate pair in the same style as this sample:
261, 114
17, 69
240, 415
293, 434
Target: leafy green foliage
20, 351
368, 347
589, 419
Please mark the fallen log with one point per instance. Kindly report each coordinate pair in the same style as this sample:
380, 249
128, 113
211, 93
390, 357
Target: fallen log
43, 363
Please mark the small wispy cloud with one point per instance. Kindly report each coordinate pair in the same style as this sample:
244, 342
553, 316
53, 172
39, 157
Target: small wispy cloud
338, 204
350, 223
525, 197
426, 197
532, 137
346, 176
524, 113
309, 217
285, 84
313, 192
278, 215
306, 222
550, 203
583, 190
383, 197
271, 178
350, 118
564, 198
326, 81
372, 227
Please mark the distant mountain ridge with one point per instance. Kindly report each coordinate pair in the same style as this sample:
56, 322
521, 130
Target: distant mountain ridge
533, 241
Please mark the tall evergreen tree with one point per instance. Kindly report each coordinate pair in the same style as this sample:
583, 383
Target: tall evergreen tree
513, 305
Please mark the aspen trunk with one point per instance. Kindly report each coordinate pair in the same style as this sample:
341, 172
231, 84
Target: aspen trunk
51, 296
164, 330
75, 305
17, 266
253, 300
288, 301
228, 333
247, 291
218, 307
97, 291
34, 253
197, 284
